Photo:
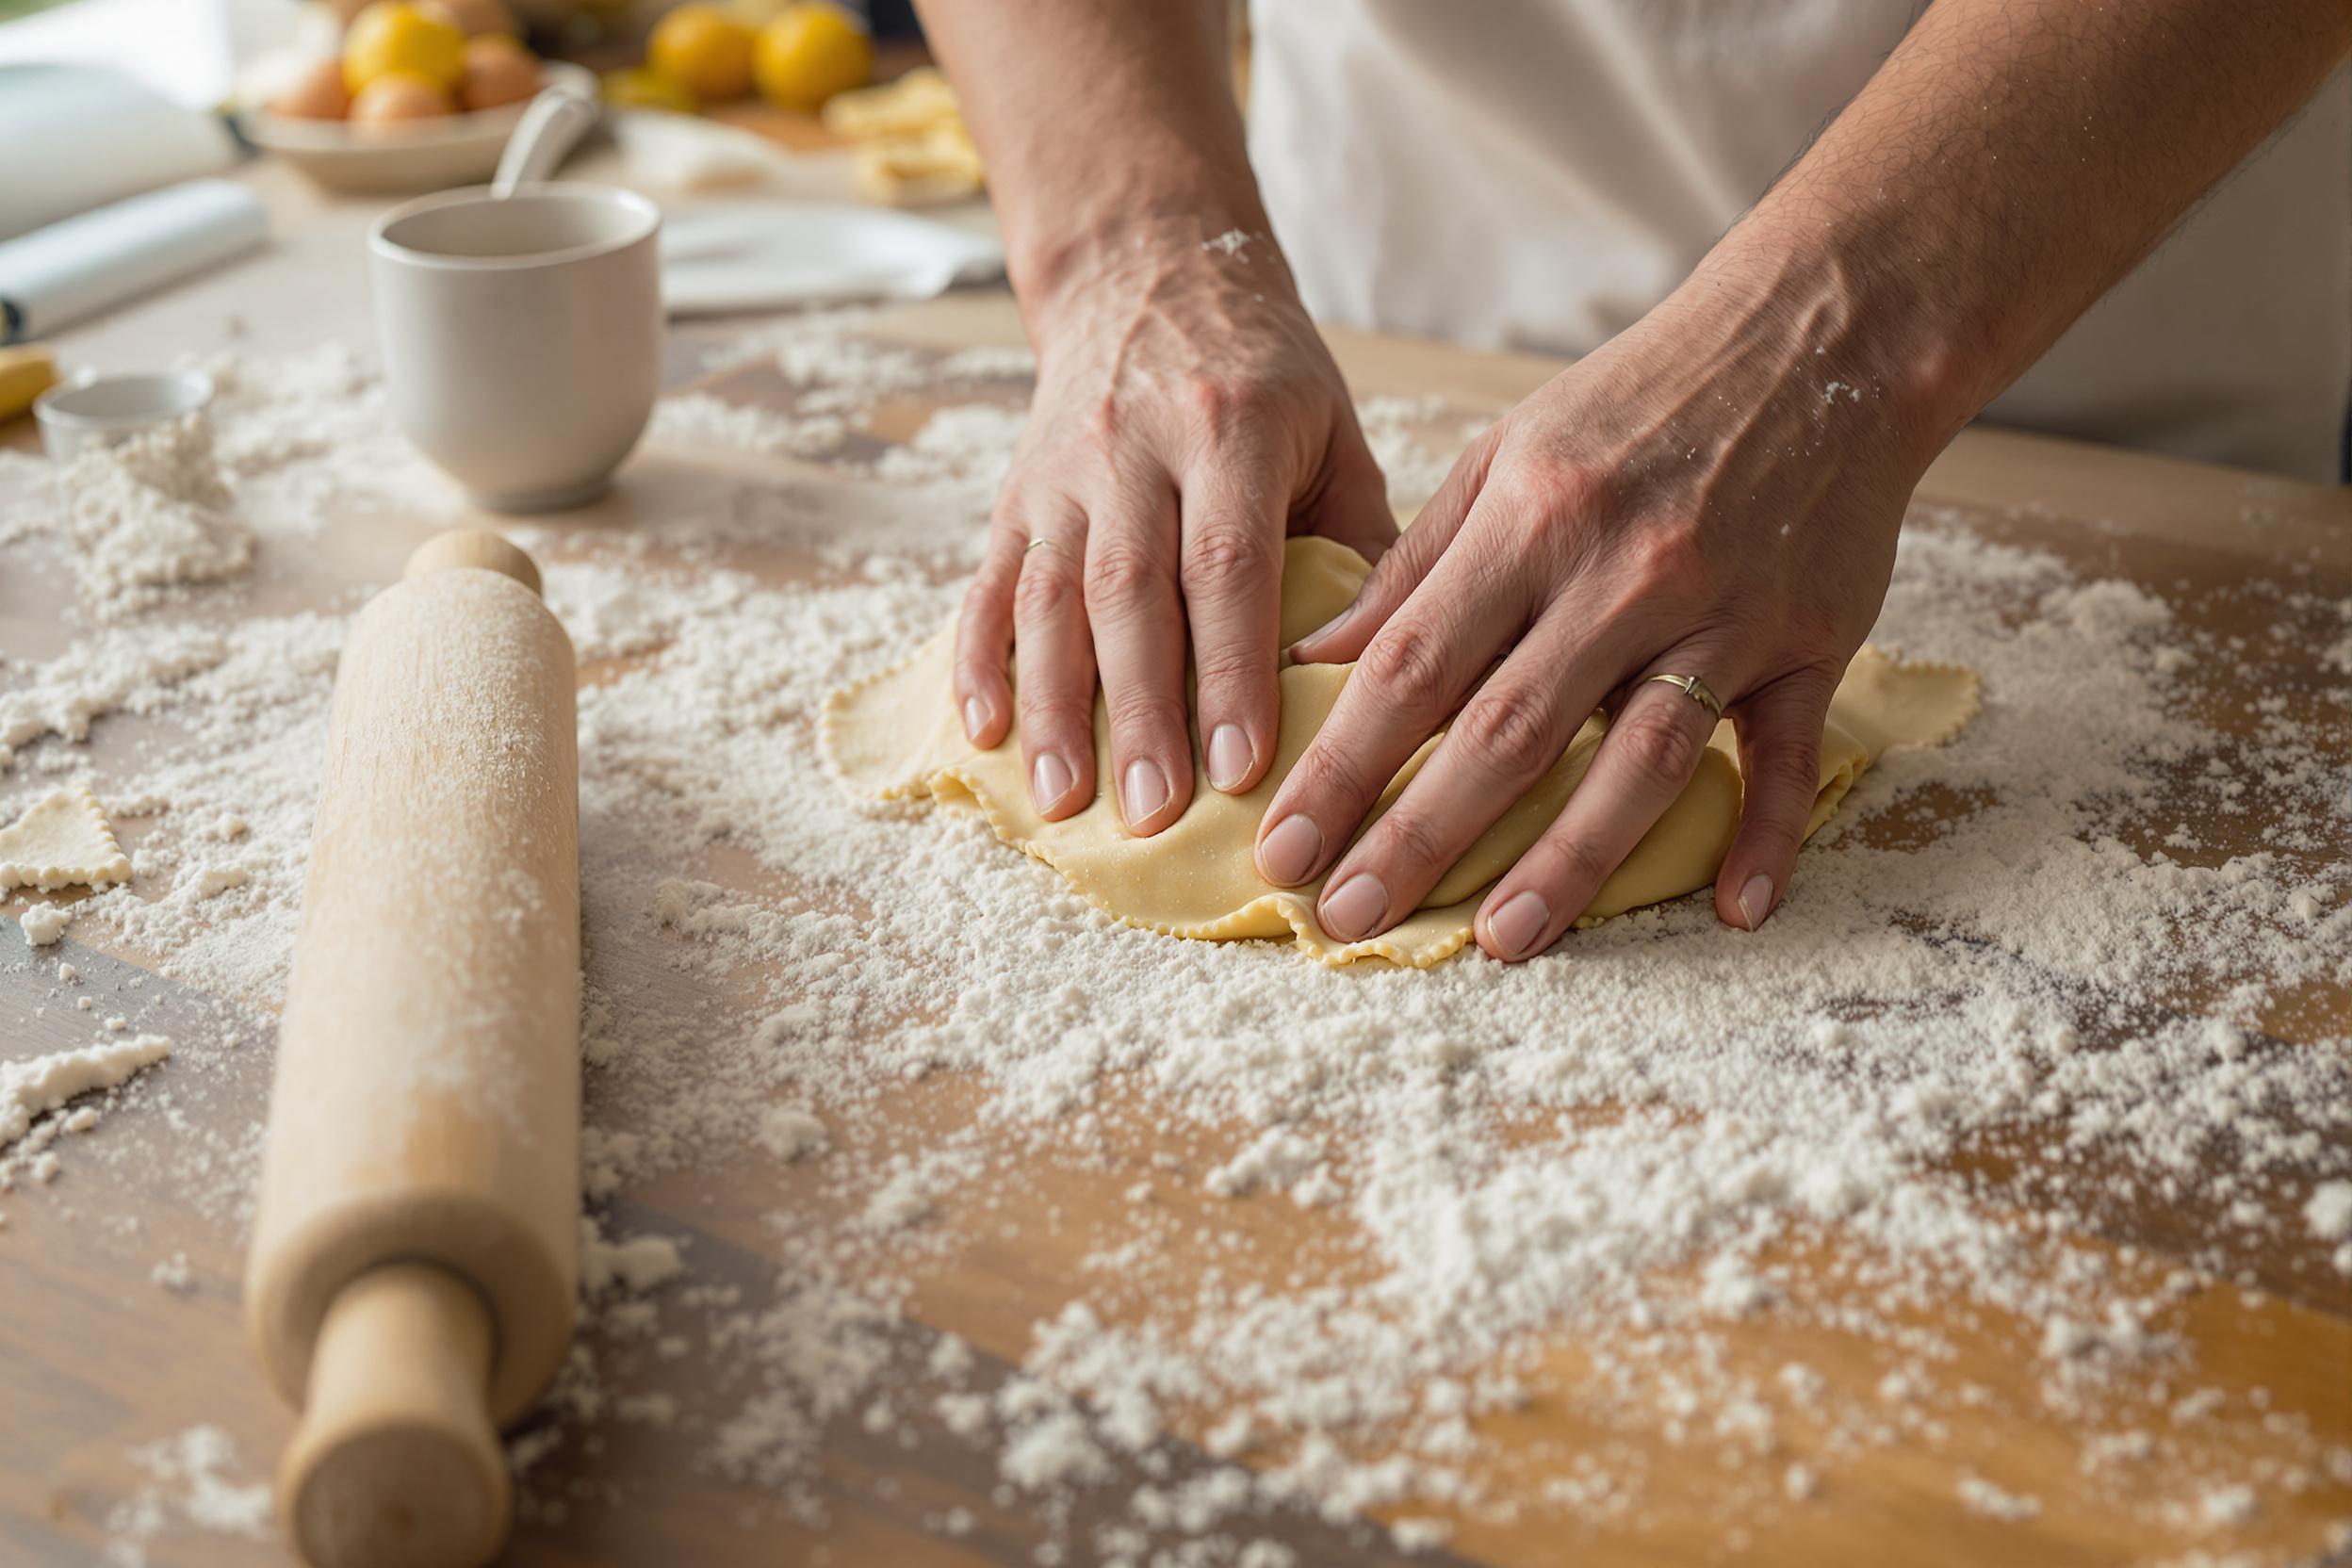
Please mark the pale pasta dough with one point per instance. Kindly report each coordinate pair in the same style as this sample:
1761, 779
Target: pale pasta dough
897, 736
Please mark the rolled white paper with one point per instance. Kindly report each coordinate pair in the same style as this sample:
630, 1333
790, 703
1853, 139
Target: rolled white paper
56, 276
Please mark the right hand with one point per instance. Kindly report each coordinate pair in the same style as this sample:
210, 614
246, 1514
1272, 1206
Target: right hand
1187, 417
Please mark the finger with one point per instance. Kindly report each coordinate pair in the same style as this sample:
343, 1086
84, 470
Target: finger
1056, 686
1648, 755
1140, 643
984, 637
1505, 739
1780, 771
1353, 506
1407, 681
1231, 574
1404, 567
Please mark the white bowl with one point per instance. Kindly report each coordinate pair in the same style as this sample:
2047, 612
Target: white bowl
103, 411
428, 155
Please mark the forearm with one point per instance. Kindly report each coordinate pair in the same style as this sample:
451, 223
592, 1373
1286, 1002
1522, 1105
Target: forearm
2009, 163
1107, 128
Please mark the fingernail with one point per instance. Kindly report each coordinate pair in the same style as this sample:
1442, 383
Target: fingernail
1230, 756
1289, 855
976, 719
1755, 900
1355, 906
1050, 779
1520, 923
1145, 790
1328, 626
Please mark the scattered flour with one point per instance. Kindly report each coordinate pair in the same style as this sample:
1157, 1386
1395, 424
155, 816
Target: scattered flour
32, 1089
2016, 996
150, 515
45, 924
1979, 1495
190, 1486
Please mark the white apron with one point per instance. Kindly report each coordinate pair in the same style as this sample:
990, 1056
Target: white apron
1538, 173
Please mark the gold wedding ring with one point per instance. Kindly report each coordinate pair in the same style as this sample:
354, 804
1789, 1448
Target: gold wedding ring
1035, 545
1696, 690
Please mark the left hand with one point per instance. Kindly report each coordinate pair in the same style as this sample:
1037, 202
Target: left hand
1716, 491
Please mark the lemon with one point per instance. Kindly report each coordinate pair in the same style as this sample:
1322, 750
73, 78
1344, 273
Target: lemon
704, 49
390, 37
647, 90
809, 53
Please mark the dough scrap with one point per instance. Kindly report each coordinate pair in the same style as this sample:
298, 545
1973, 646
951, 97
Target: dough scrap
62, 842
896, 736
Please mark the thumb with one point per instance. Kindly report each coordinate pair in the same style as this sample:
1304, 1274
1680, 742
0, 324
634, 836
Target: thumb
1352, 508
1399, 571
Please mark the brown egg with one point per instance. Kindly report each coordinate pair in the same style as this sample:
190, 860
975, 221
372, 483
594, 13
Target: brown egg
318, 93
395, 98
474, 18
497, 70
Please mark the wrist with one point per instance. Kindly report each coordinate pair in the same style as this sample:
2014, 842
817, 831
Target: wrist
1855, 297
1059, 278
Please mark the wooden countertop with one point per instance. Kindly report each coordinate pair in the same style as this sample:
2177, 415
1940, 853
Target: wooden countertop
94, 1359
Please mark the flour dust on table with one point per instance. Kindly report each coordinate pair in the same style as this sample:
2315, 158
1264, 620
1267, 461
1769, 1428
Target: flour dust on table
1677, 1180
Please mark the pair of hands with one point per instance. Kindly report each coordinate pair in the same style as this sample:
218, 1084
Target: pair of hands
1706, 495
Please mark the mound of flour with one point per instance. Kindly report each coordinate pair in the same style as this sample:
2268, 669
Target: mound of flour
2016, 997
150, 514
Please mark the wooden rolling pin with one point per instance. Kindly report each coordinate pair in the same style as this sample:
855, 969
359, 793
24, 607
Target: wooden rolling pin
410, 1285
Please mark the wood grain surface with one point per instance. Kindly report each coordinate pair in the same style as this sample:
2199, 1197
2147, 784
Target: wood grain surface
95, 1359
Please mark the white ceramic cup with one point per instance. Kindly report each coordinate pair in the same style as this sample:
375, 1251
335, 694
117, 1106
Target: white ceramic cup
521, 334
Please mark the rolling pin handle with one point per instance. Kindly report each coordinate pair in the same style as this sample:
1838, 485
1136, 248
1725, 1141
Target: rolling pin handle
472, 546
398, 1410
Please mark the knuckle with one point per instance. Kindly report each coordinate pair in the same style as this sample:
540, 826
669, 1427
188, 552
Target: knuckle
1510, 732
1224, 402
1569, 861
1325, 774
1138, 711
1657, 744
1043, 590
1404, 666
1670, 564
1121, 575
1056, 724
988, 593
1050, 712
1412, 840
1227, 558
1557, 488
1230, 673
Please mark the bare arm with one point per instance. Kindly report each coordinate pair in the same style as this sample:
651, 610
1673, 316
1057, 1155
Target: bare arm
1100, 122
1186, 414
1716, 491
2012, 160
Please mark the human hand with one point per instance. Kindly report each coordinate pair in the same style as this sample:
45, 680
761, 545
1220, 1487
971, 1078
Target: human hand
1715, 492
1187, 417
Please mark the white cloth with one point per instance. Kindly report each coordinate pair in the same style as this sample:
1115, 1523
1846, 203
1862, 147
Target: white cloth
1538, 173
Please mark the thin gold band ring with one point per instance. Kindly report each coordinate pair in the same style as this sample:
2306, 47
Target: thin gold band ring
1696, 690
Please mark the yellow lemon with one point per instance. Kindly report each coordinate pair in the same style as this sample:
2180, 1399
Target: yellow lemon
647, 90
757, 14
704, 49
809, 53
389, 37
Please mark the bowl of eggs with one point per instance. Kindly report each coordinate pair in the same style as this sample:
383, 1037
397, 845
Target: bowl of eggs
421, 95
